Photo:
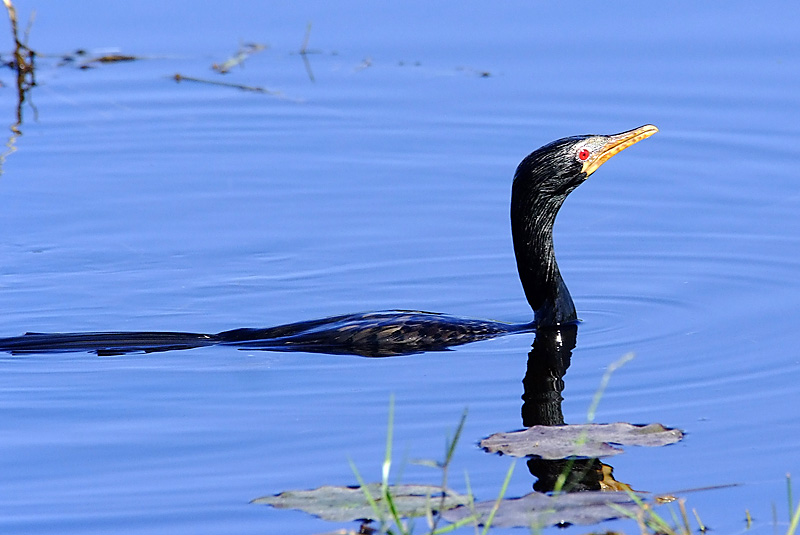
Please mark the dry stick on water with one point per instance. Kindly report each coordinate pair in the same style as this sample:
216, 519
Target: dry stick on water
23, 64
702, 527
255, 89
366, 64
245, 51
304, 51
108, 58
23, 56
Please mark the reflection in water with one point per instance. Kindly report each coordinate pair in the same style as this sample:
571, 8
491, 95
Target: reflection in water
543, 384
566, 489
22, 64
548, 361
304, 52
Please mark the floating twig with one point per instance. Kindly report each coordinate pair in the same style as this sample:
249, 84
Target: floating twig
22, 63
108, 58
304, 51
475, 72
254, 89
245, 51
304, 47
367, 63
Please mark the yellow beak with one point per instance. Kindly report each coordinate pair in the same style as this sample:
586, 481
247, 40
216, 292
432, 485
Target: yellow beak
616, 143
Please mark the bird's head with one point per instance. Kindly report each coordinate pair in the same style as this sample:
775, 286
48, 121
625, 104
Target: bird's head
542, 182
561, 166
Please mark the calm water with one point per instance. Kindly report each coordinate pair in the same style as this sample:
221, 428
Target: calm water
133, 202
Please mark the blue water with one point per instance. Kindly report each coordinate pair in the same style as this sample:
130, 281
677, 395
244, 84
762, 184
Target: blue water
133, 202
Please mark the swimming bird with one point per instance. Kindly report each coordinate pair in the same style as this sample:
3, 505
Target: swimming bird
542, 182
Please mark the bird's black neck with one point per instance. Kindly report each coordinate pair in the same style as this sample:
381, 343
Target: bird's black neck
533, 214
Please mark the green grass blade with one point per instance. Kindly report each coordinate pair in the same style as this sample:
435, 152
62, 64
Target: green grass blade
795, 521
454, 526
451, 446
496, 506
387, 459
367, 494
393, 510
614, 366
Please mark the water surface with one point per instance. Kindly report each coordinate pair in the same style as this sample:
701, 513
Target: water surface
136, 203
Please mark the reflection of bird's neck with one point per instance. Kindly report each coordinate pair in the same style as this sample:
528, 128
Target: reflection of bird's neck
548, 361
533, 214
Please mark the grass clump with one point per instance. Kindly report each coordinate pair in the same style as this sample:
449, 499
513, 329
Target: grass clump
383, 506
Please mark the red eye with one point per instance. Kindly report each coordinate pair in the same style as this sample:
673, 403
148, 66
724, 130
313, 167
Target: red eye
583, 154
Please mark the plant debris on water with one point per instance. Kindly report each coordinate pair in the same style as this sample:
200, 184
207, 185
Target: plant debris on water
244, 52
343, 504
583, 440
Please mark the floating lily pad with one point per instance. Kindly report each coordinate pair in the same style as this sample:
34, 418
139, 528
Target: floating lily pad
535, 510
343, 504
588, 440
